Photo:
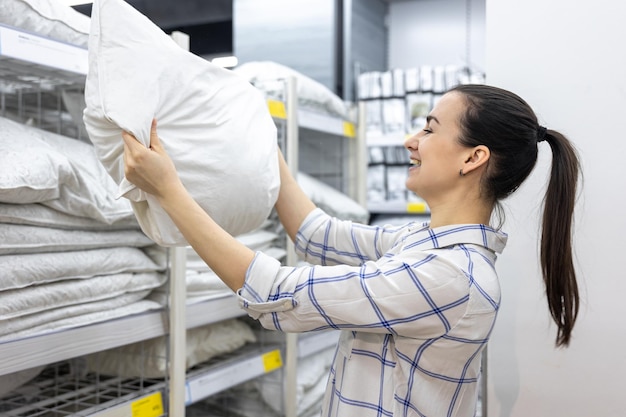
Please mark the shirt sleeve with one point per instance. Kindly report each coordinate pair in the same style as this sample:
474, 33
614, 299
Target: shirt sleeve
325, 240
419, 296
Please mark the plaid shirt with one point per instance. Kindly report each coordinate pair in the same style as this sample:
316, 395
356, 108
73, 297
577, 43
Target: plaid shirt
415, 307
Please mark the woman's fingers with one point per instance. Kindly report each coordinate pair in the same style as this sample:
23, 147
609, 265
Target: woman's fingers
154, 137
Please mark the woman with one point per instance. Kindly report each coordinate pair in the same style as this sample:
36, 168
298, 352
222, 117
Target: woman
415, 304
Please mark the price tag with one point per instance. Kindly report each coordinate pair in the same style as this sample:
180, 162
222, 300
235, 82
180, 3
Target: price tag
150, 406
349, 130
277, 109
272, 360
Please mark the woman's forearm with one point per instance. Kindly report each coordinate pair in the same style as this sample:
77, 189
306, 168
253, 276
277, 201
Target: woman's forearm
292, 205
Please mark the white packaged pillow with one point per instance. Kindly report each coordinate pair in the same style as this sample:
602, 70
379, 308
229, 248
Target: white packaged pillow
312, 94
331, 200
37, 298
41, 215
148, 359
215, 125
50, 18
18, 238
62, 173
23, 270
31, 171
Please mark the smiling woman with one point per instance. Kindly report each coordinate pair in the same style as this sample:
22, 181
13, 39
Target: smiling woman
449, 174
415, 304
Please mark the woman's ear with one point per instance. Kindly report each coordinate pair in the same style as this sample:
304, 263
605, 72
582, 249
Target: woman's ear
478, 157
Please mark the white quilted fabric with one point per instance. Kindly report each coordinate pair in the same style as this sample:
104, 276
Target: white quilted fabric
49, 18
212, 122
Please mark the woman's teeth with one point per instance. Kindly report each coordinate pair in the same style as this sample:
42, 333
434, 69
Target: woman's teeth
416, 162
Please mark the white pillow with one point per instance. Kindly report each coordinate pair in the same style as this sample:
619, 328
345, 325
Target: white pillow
63, 173
17, 327
36, 298
41, 215
331, 200
17, 238
212, 122
312, 94
50, 18
30, 170
148, 359
76, 315
23, 270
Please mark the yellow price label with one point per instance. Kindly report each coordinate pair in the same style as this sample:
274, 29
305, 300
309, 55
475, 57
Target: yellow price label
349, 129
272, 360
150, 406
277, 109
416, 208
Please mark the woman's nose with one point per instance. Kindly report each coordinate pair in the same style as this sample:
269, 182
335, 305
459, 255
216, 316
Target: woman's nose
412, 142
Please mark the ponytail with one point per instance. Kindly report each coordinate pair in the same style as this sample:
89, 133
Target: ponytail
557, 264
507, 125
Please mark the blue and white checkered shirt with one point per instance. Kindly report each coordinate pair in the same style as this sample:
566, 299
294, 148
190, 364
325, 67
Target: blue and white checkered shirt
415, 307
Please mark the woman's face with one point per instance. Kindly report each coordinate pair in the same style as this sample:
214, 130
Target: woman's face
436, 156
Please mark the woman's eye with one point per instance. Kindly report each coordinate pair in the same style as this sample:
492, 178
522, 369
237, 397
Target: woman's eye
428, 130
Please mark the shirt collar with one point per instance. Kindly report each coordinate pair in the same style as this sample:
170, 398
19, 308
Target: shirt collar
440, 237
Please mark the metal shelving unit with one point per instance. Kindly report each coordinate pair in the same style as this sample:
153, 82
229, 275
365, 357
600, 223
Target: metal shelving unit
31, 64
25, 71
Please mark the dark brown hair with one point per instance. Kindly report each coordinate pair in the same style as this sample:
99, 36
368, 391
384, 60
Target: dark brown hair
507, 125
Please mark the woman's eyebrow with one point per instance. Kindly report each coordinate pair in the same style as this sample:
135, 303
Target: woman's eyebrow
429, 118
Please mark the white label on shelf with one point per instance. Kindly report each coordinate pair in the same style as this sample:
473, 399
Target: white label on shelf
43, 51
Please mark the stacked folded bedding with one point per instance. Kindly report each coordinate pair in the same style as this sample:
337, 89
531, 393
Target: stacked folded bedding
312, 95
149, 359
203, 284
70, 253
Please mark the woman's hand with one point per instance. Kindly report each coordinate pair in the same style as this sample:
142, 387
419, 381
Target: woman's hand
150, 169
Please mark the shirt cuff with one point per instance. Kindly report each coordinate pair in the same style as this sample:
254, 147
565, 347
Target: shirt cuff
260, 279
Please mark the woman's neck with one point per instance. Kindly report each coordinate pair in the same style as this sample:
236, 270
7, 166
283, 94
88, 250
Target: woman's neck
465, 212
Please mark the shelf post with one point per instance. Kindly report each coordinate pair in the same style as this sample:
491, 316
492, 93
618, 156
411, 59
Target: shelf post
177, 331
291, 349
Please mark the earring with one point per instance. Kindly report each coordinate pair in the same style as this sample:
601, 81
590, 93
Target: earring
461, 173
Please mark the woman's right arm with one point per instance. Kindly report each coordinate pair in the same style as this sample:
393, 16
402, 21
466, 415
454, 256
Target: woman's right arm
292, 205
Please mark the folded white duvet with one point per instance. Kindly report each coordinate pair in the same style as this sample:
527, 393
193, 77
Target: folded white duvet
23, 270
35, 299
148, 359
40, 215
213, 123
18, 238
76, 315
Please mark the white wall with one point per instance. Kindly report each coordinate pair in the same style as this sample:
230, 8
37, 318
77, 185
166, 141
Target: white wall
436, 32
567, 59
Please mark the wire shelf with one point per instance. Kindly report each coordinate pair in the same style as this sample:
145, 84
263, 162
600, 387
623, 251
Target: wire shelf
61, 391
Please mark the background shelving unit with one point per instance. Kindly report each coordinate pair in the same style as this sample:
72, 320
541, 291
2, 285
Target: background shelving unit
24, 70
45, 68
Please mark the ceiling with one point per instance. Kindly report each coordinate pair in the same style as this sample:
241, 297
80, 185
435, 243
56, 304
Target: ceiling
207, 22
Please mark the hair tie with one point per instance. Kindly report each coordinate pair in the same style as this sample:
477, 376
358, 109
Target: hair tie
541, 133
